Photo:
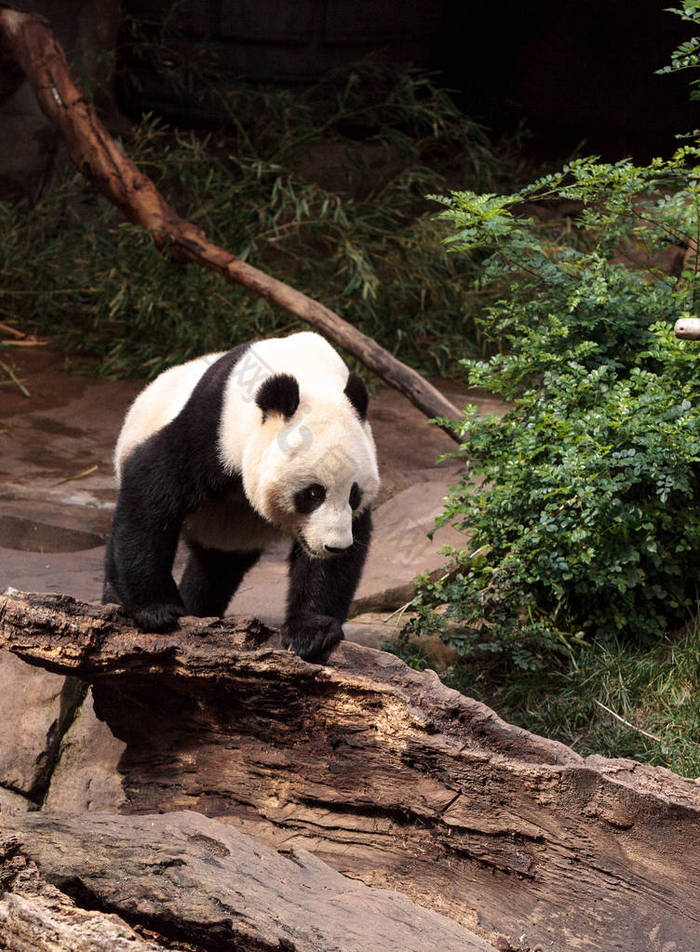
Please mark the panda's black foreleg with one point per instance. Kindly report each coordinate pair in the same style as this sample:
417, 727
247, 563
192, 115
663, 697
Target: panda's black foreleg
320, 593
211, 577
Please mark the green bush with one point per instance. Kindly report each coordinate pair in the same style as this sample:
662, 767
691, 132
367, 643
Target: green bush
606, 697
323, 188
687, 55
587, 522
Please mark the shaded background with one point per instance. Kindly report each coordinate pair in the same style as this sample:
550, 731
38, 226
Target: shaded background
579, 73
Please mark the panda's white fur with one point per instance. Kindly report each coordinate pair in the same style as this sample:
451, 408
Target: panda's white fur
324, 442
157, 405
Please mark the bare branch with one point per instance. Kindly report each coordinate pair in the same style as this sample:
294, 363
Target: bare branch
27, 40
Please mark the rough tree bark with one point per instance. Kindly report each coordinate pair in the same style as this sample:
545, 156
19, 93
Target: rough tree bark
386, 775
27, 41
187, 878
38, 917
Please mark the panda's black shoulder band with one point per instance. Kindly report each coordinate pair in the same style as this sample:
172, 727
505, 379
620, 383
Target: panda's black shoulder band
278, 394
356, 392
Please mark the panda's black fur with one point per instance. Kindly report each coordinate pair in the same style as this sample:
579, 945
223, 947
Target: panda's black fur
179, 468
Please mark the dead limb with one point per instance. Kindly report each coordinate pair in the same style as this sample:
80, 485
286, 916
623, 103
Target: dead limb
28, 42
688, 328
188, 878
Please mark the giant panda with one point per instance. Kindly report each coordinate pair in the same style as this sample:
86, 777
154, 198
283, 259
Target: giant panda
231, 451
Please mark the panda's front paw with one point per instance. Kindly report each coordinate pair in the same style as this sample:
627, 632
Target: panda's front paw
158, 618
312, 636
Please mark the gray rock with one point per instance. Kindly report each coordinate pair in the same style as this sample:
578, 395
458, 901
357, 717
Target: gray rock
80, 574
86, 775
376, 629
12, 803
373, 629
35, 709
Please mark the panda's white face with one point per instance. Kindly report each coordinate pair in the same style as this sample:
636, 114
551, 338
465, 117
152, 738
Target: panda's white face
312, 477
312, 473
293, 426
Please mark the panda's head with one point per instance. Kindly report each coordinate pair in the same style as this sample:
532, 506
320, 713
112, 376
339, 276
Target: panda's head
310, 466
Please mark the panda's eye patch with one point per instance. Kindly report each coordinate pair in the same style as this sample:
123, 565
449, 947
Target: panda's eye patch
355, 496
310, 498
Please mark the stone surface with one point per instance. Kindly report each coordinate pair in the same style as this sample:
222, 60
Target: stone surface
373, 629
35, 709
33, 526
376, 629
54, 445
78, 573
401, 548
86, 776
12, 803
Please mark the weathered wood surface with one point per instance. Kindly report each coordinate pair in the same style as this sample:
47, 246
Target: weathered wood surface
388, 776
26, 41
38, 917
191, 879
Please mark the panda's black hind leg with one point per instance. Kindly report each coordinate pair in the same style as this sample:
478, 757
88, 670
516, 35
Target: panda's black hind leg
211, 577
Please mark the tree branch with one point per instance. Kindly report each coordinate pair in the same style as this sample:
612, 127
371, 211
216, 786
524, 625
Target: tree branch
688, 328
27, 40
187, 878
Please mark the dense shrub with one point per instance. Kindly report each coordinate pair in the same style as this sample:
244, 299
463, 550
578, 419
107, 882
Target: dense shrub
587, 523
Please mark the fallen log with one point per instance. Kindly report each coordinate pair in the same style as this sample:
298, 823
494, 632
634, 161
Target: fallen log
386, 775
26, 41
38, 917
186, 878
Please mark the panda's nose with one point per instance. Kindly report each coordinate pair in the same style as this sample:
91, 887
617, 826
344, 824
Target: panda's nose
334, 549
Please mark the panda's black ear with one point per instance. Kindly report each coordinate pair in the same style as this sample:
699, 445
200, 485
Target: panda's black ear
278, 394
356, 392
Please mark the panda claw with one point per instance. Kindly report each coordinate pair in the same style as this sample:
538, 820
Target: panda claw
158, 618
312, 637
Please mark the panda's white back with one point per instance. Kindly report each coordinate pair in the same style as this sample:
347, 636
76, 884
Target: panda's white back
158, 404
306, 355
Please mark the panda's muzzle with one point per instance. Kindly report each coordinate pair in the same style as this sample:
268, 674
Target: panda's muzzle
327, 552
